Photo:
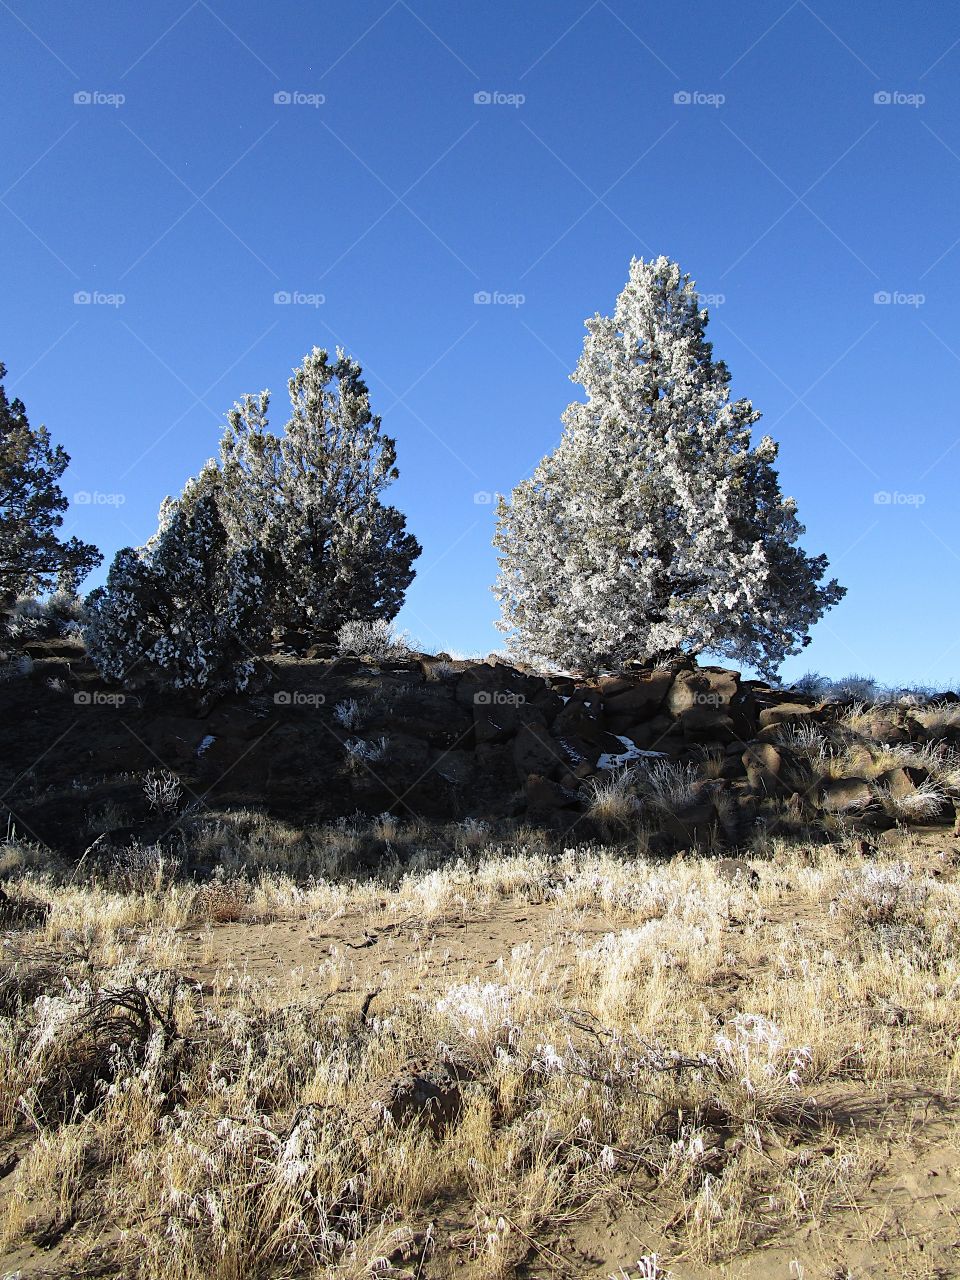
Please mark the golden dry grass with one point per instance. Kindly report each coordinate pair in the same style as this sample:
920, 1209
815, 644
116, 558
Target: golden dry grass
712, 1061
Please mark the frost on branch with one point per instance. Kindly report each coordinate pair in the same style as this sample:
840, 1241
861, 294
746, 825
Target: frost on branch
656, 524
185, 609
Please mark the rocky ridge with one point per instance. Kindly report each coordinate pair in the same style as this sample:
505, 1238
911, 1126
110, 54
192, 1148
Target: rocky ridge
322, 736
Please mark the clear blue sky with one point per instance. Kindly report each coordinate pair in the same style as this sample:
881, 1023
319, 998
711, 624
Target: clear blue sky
797, 198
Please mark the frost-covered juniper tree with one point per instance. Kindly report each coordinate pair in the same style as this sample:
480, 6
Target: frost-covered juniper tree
311, 498
656, 525
186, 609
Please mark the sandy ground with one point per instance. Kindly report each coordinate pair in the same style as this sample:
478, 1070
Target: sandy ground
903, 1221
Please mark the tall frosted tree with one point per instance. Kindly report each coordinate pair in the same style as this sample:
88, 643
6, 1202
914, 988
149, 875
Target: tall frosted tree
33, 557
311, 498
656, 525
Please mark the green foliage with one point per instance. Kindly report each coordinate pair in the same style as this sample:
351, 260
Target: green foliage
32, 556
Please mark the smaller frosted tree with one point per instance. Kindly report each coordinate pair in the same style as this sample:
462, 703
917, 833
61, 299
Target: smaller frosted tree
312, 499
186, 609
656, 525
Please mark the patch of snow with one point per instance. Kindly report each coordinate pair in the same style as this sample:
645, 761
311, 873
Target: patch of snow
206, 744
631, 752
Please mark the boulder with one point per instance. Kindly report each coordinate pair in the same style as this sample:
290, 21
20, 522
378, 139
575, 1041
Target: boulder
499, 722
785, 713
642, 697
424, 1091
774, 770
702, 699
456, 767
764, 765
430, 712
612, 685
846, 795
737, 872
543, 796
535, 751
493, 685
903, 781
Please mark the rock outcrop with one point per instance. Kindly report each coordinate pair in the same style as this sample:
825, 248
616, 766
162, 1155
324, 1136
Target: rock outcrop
323, 737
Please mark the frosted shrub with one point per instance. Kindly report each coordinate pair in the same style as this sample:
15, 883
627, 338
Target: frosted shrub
163, 791
376, 639
185, 609
813, 684
16, 668
612, 800
881, 894
143, 868
59, 614
760, 1073
482, 1013
367, 752
859, 688
347, 714
669, 787
925, 803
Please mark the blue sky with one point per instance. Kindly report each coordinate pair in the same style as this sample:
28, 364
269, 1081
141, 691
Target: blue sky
813, 168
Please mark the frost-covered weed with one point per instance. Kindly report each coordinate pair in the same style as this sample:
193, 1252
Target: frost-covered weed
754, 1061
483, 1013
647, 1268
670, 787
377, 639
611, 800
881, 894
347, 713
16, 668
366, 751
163, 791
921, 805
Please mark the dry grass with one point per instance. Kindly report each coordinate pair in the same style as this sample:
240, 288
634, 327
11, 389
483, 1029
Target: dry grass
670, 1042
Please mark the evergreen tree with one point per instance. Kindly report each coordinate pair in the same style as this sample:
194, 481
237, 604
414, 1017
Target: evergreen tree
656, 525
311, 498
33, 558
